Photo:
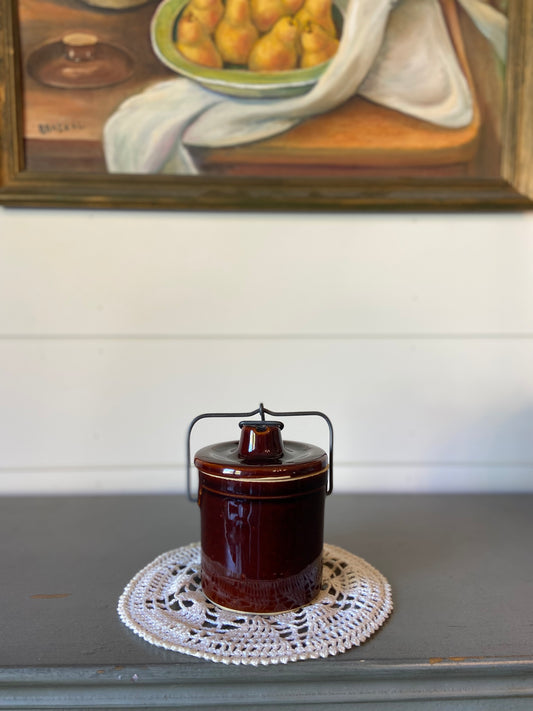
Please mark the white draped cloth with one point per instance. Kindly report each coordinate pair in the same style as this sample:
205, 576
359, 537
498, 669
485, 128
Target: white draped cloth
397, 53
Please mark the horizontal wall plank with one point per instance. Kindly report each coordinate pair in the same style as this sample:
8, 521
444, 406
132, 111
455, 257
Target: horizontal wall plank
72, 273
380, 478
426, 413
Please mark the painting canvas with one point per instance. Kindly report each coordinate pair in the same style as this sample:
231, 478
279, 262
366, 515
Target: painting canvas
409, 89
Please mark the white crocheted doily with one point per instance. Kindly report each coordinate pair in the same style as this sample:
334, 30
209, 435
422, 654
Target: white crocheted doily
164, 604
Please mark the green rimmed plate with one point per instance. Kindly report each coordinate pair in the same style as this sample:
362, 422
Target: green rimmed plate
232, 81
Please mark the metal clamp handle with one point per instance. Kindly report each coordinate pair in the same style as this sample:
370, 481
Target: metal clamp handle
261, 410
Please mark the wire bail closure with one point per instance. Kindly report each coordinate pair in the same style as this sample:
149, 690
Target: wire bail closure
261, 410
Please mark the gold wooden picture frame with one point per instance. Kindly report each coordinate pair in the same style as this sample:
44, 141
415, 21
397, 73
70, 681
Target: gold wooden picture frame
359, 155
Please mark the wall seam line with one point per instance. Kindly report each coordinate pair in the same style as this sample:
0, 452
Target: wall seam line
268, 337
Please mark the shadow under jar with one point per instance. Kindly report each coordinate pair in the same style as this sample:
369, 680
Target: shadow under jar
262, 520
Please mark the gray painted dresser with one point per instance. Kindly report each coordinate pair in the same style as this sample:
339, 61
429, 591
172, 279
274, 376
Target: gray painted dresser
461, 635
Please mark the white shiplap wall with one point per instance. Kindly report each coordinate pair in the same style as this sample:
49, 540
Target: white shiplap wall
413, 332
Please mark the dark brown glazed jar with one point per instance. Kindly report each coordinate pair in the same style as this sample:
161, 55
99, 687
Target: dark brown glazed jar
262, 519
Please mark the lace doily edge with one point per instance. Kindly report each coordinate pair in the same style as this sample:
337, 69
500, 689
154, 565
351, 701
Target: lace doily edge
354, 640
267, 661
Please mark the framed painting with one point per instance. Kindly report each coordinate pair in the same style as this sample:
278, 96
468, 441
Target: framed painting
267, 104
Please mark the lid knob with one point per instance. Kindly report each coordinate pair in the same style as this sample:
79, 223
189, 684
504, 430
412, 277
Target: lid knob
260, 441
80, 46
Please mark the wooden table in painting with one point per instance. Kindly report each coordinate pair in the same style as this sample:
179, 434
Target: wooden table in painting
460, 636
63, 127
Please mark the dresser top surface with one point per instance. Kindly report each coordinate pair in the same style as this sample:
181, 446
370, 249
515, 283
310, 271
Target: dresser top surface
460, 567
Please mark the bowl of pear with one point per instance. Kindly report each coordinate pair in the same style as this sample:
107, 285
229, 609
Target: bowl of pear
248, 48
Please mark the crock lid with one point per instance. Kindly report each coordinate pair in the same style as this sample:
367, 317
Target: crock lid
261, 453
80, 61
261, 457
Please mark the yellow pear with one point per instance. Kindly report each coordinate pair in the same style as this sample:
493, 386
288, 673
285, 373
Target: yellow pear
195, 43
209, 12
319, 12
278, 50
235, 34
317, 45
265, 13
293, 6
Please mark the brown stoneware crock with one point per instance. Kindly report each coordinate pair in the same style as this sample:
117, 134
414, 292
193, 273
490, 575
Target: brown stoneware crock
262, 518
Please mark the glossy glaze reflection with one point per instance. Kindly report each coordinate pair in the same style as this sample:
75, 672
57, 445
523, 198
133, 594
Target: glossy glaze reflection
262, 525
262, 555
